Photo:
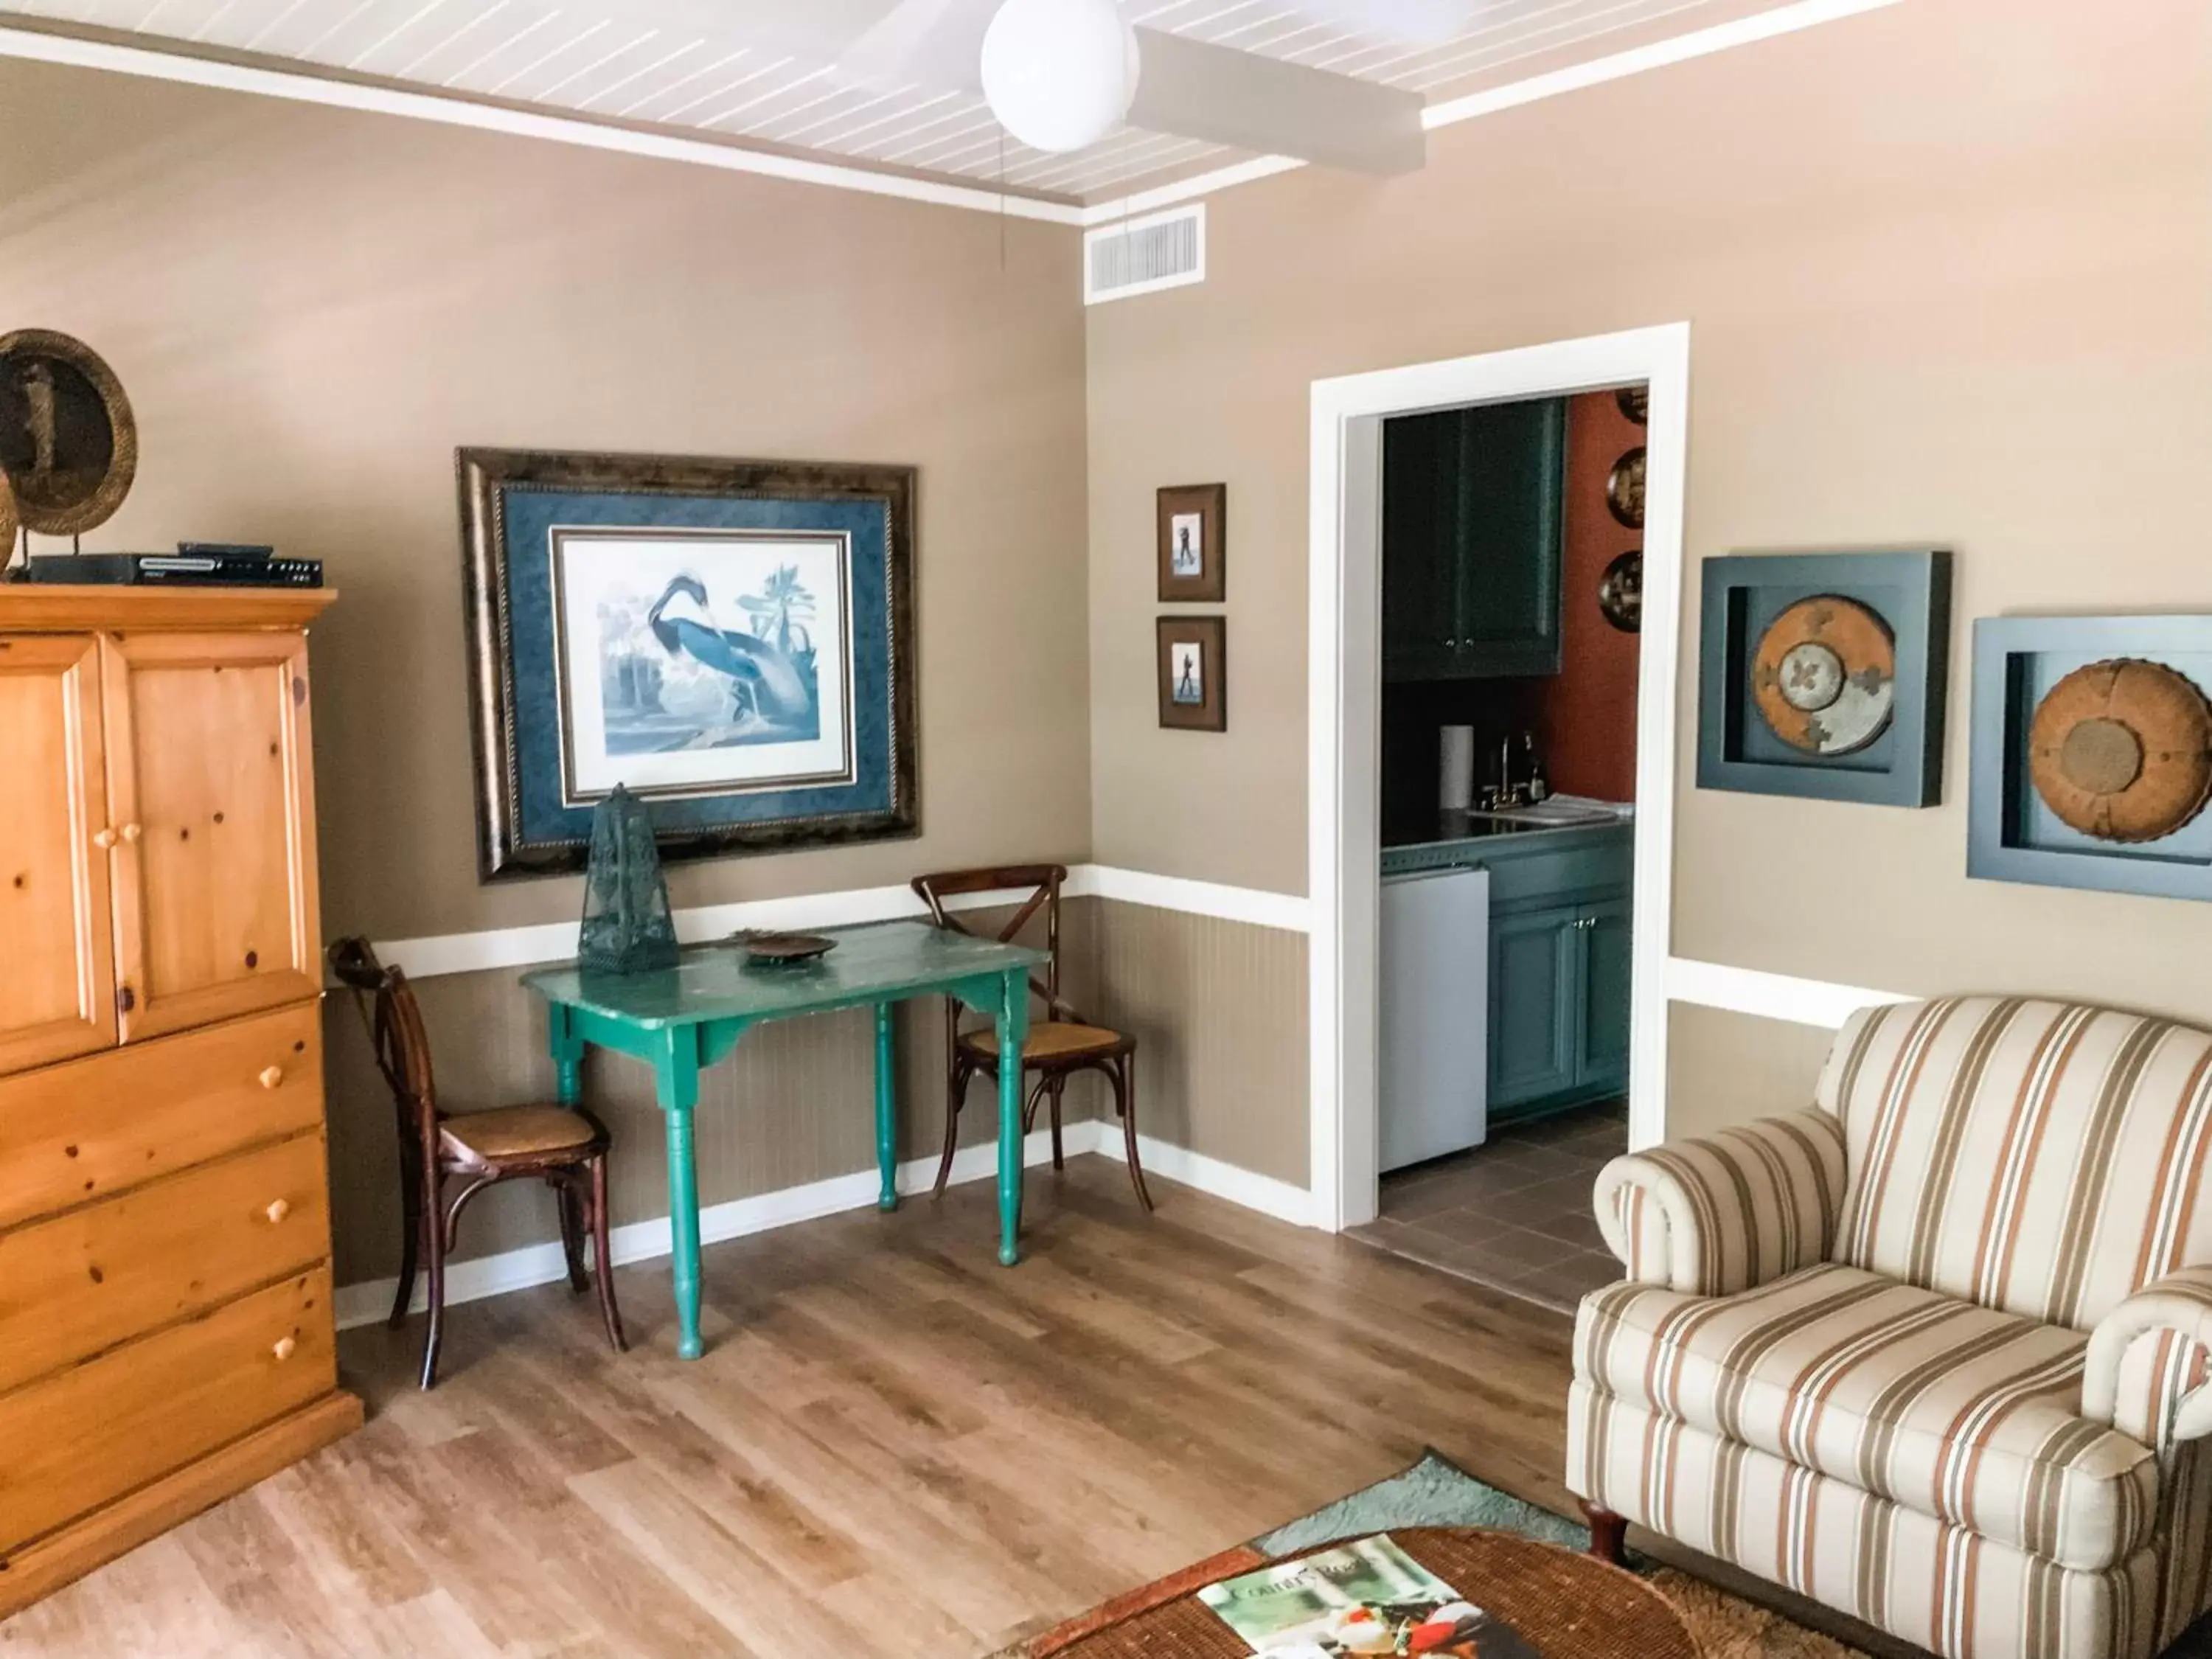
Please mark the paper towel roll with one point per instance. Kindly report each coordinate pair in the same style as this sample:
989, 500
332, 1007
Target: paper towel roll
1456, 768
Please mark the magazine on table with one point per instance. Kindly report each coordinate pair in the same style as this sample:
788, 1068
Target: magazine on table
1368, 1597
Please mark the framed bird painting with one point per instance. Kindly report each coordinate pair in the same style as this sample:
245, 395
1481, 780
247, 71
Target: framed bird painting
732, 641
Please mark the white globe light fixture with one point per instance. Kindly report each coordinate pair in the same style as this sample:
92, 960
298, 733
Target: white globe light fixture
1059, 74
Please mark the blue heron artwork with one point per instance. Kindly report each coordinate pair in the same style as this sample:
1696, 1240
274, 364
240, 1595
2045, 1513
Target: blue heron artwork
681, 652
701, 685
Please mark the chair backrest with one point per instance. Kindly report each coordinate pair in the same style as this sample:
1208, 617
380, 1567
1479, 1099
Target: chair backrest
1045, 880
395, 1032
2046, 1158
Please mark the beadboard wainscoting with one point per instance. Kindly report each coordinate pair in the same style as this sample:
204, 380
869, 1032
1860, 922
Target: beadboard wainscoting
1211, 979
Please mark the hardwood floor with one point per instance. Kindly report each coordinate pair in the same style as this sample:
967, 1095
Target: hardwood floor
893, 1447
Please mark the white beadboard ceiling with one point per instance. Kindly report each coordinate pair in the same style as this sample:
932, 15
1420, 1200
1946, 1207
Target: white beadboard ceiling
734, 69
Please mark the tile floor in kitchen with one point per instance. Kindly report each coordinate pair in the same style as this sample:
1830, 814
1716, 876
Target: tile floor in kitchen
1514, 1213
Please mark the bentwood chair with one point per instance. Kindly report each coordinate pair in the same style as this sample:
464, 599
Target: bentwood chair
565, 1147
1059, 1049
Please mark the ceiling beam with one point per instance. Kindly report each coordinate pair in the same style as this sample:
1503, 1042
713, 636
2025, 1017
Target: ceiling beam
1197, 90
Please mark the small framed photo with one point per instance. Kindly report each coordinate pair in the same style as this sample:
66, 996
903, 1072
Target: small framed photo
1192, 669
1194, 529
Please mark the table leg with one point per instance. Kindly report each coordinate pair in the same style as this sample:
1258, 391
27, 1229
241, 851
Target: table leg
568, 1053
1013, 1031
886, 1111
676, 1082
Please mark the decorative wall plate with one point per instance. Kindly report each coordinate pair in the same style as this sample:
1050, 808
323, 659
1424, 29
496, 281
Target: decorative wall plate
1621, 591
1635, 403
1623, 488
68, 440
2092, 753
1824, 675
2122, 750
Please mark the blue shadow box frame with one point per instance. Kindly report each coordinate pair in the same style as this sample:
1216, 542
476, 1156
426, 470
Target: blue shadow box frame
2011, 835
1743, 593
516, 505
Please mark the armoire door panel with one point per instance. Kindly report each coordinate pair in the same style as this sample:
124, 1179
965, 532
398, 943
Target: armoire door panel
213, 800
57, 995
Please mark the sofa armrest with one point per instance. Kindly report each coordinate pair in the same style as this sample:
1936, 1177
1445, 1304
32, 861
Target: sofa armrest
1722, 1213
2149, 1361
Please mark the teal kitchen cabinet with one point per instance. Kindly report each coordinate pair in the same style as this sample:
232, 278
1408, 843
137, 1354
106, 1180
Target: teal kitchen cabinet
1534, 991
1472, 522
1558, 1007
1559, 960
1601, 1049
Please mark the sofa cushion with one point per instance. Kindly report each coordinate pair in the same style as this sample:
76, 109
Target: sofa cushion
1962, 1412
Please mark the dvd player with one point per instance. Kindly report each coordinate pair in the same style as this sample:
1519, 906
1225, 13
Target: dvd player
194, 564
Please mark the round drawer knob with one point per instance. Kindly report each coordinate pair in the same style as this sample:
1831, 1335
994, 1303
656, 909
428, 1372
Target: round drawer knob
284, 1346
132, 832
271, 1076
278, 1211
105, 840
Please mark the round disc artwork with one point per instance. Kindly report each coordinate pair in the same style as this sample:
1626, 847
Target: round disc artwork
1624, 489
1621, 591
68, 443
1824, 676
2123, 750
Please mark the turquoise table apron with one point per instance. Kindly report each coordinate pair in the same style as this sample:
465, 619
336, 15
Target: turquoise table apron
682, 1018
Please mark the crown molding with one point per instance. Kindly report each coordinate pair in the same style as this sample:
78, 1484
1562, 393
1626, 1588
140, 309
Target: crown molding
38, 45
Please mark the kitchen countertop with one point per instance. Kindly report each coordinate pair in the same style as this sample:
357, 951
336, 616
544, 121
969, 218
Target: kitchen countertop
1452, 829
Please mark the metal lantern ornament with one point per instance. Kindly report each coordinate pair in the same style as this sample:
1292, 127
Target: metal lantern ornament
627, 926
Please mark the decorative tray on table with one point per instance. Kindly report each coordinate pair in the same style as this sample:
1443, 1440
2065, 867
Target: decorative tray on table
780, 950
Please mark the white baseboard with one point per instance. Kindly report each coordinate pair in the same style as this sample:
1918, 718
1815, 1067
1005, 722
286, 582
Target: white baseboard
482, 1276
1264, 1193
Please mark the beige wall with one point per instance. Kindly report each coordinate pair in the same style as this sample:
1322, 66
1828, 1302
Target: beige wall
311, 308
1948, 268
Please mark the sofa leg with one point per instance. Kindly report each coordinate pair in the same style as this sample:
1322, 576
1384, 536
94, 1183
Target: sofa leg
1607, 1532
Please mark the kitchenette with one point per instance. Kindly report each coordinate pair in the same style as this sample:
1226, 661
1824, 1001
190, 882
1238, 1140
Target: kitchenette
1511, 555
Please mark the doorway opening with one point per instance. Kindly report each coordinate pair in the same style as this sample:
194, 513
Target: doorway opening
1491, 736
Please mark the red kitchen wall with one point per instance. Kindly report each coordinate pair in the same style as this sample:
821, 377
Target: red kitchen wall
1586, 722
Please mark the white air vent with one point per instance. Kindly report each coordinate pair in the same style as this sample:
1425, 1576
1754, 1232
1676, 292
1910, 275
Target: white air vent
1141, 256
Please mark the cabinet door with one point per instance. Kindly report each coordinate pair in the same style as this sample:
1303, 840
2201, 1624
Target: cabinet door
1534, 1005
57, 996
1512, 473
1420, 546
210, 791
1605, 989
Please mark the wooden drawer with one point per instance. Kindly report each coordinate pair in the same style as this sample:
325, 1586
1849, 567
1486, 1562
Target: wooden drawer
85, 1129
84, 1437
102, 1273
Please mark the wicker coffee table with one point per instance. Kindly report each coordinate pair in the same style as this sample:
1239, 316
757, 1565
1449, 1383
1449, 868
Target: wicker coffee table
1567, 1605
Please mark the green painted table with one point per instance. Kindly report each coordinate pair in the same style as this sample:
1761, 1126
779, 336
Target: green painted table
680, 1018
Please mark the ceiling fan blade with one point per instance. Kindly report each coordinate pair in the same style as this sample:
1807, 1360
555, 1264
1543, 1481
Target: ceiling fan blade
1239, 97
1410, 22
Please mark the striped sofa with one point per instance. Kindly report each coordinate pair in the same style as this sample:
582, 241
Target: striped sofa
1935, 1352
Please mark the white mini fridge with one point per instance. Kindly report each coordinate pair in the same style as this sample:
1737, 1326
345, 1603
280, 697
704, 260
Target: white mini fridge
1434, 1028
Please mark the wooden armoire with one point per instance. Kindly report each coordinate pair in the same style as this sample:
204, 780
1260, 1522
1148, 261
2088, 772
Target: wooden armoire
166, 1331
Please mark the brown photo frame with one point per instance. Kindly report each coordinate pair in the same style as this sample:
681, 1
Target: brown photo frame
1193, 673
1192, 529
